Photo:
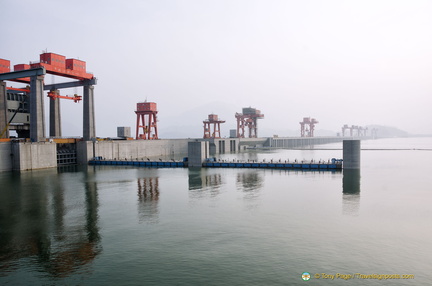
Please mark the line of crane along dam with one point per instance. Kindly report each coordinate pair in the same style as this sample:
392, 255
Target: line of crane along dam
117, 225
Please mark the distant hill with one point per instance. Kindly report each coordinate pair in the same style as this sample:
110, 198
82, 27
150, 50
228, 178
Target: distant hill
388, 131
267, 132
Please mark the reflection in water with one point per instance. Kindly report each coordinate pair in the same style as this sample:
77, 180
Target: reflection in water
202, 180
148, 199
92, 205
250, 183
41, 221
351, 192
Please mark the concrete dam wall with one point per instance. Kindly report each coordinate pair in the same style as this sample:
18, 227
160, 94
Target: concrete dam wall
22, 156
131, 149
299, 142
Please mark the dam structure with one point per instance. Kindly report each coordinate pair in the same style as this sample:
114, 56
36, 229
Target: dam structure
19, 155
198, 157
22, 111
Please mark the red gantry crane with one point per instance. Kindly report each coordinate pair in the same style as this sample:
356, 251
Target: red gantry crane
304, 131
212, 120
248, 119
33, 74
146, 121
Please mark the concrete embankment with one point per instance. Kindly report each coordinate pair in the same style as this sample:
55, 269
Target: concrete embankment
21, 156
300, 142
131, 149
27, 156
5, 156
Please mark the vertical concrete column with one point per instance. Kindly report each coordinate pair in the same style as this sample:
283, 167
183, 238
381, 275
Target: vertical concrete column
351, 154
232, 145
3, 111
351, 181
213, 146
55, 118
37, 113
89, 127
222, 148
197, 153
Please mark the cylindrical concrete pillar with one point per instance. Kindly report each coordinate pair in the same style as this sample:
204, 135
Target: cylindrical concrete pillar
351, 154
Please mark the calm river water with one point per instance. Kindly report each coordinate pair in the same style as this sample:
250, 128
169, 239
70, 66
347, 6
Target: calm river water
108, 225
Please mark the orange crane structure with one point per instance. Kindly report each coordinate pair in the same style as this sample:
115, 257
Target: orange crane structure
248, 119
360, 130
53, 94
304, 131
212, 120
34, 74
54, 64
58, 65
146, 127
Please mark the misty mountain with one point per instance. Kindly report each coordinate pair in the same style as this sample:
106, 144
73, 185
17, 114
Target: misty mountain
189, 123
387, 131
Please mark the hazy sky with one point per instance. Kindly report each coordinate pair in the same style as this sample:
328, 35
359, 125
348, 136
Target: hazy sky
341, 62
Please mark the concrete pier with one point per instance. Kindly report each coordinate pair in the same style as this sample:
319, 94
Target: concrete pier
34, 155
3, 110
198, 151
351, 154
351, 192
89, 126
37, 113
5, 156
55, 118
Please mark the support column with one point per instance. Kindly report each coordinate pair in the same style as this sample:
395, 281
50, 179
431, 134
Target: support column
55, 118
3, 111
198, 151
351, 154
89, 128
156, 136
37, 113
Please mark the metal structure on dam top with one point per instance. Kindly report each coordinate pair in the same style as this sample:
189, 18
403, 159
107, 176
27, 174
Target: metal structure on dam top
34, 74
248, 119
216, 122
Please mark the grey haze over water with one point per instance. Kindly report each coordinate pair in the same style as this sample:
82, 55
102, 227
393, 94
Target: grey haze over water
341, 62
